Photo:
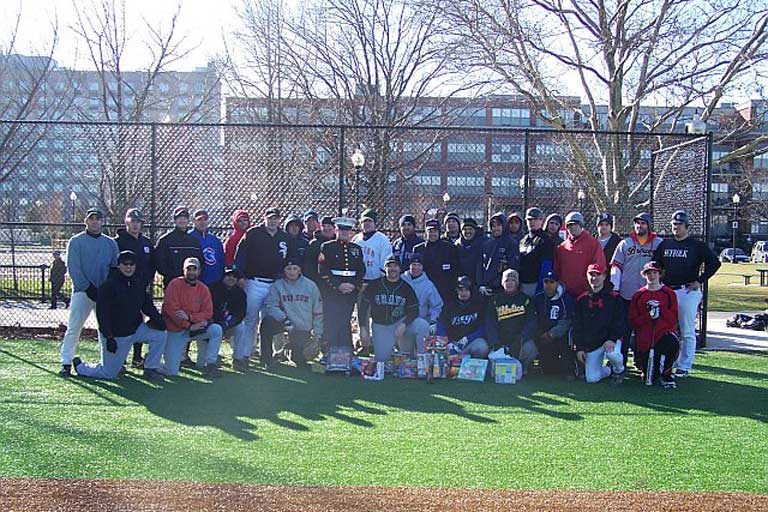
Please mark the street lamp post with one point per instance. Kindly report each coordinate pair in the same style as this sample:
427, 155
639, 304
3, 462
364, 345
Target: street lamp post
736, 200
358, 161
73, 198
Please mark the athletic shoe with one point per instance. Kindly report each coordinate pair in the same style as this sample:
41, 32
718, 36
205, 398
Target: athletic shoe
75, 362
681, 374
66, 370
137, 362
617, 379
152, 375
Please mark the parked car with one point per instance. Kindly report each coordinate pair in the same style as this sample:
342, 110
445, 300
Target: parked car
732, 255
760, 252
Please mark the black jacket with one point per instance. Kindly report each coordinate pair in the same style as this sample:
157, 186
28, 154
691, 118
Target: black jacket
260, 254
228, 305
142, 247
120, 303
599, 317
441, 264
171, 251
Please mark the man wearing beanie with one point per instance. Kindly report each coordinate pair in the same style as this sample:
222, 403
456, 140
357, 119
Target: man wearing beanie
120, 308
90, 255
511, 321
403, 246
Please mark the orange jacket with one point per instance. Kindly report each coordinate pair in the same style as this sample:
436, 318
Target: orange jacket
195, 300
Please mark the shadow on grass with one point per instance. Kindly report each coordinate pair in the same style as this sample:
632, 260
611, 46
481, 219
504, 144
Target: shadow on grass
292, 399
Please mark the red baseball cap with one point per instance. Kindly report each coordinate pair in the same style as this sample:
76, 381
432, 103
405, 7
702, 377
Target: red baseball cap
595, 268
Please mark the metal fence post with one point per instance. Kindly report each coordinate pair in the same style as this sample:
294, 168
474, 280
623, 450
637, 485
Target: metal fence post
341, 169
526, 169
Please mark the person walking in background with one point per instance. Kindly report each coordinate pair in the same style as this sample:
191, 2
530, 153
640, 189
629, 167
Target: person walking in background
90, 255
57, 276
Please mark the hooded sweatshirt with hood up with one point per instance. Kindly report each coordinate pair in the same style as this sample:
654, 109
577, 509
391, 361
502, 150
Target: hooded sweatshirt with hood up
230, 244
498, 254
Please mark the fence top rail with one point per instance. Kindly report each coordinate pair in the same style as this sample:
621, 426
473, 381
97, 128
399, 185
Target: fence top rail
485, 129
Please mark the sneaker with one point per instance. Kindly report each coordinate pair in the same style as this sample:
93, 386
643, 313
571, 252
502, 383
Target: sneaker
66, 370
153, 375
617, 379
187, 362
211, 371
137, 362
681, 374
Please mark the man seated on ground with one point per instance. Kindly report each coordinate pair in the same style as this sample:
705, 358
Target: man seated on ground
430, 307
510, 320
463, 320
393, 307
293, 305
598, 327
229, 304
120, 302
188, 311
653, 315
555, 310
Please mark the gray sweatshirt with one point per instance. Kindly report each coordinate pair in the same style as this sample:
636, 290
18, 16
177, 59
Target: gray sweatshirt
430, 302
89, 260
299, 301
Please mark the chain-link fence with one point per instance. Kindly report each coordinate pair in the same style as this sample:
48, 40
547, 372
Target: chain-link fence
53, 172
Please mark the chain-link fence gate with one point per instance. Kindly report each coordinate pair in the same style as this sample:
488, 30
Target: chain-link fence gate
51, 173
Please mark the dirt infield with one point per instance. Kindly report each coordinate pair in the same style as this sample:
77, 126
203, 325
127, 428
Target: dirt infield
30, 495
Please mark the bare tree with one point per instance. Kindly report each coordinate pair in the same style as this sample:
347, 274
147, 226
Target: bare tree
624, 54
153, 93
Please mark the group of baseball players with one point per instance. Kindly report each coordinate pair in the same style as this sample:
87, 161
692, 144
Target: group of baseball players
572, 301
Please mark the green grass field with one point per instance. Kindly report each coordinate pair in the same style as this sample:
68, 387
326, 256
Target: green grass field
728, 293
295, 427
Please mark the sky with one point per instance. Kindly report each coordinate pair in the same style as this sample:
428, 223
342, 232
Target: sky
202, 21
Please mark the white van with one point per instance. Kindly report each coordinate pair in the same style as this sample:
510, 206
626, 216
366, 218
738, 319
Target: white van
760, 252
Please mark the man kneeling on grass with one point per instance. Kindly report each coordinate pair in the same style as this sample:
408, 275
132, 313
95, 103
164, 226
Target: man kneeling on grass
598, 327
653, 315
394, 308
119, 306
188, 310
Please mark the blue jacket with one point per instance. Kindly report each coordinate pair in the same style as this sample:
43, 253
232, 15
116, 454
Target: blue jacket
213, 256
497, 255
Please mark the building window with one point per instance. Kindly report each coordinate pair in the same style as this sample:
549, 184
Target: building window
511, 117
507, 152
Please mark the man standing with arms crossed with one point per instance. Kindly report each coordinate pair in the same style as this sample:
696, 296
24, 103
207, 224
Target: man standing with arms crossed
260, 257
90, 255
682, 259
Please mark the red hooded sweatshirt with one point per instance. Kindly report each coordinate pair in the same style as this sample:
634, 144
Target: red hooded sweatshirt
572, 258
230, 245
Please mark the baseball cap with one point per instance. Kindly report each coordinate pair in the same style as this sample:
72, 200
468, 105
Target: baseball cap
680, 216
391, 259
574, 218
134, 214
272, 212
310, 214
407, 218
452, 215
327, 220
510, 273
651, 265
595, 268
550, 276
605, 217
469, 221
200, 214
180, 212
191, 262
369, 213
534, 213
464, 282
126, 256
644, 216
432, 223
94, 212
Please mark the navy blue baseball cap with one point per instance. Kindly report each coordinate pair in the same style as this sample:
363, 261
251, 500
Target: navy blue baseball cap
550, 276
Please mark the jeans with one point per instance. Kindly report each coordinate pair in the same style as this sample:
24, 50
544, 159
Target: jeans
111, 363
79, 310
208, 344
